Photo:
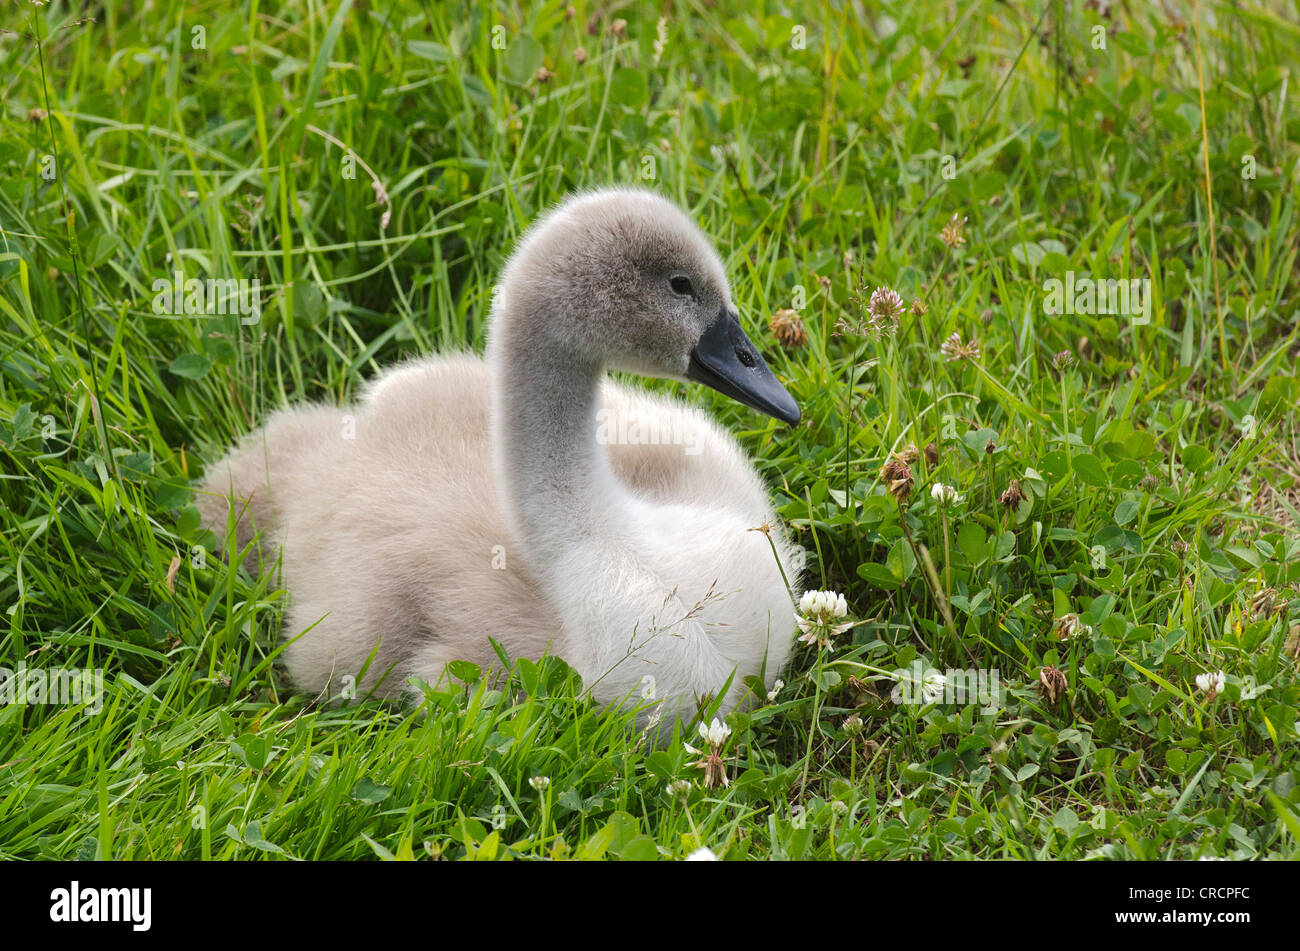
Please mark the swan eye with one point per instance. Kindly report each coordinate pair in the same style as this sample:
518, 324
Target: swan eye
681, 284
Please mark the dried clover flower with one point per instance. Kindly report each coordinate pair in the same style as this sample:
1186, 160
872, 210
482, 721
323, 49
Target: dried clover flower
954, 349
952, 235
788, 329
885, 306
1052, 684
1013, 496
908, 454
897, 476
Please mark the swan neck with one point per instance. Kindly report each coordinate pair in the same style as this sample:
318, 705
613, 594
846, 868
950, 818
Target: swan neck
554, 474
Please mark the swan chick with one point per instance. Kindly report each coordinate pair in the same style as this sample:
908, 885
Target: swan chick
525, 498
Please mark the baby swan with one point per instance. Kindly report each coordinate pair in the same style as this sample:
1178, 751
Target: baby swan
526, 498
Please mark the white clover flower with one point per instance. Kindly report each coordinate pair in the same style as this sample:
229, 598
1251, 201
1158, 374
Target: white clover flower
776, 689
679, 787
716, 733
539, 782
823, 604
944, 494
715, 768
1069, 625
1211, 683
933, 685
818, 618
702, 854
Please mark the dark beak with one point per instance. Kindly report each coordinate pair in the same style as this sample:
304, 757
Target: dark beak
726, 360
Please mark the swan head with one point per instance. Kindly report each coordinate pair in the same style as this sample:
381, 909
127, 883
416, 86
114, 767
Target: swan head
622, 279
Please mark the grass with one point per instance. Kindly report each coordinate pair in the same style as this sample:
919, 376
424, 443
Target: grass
824, 150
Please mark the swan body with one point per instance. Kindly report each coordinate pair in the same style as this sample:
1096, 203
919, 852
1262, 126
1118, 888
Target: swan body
527, 498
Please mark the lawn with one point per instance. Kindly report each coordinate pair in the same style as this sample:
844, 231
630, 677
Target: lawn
1087, 212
